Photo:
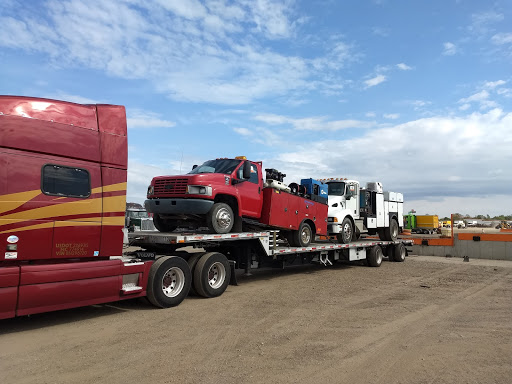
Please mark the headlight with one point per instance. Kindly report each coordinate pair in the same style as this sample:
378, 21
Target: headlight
151, 190
199, 190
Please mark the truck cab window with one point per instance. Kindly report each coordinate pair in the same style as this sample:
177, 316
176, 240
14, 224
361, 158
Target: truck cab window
254, 174
225, 166
59, 180
336, 189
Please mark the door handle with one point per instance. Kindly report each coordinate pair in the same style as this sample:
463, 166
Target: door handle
259, 190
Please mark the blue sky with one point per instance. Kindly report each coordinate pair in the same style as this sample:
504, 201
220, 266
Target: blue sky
417, 95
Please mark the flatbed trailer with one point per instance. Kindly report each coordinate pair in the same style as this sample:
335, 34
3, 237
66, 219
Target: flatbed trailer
251, 250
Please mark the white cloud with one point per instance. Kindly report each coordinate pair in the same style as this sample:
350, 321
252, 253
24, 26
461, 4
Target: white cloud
243, 131
375, 81
60, 95
313, 123
455, 148
143, 119
465, 107
403, 67
494, 84
189, 50
479, 96
502, 38
391, 116
370, 114
449, 49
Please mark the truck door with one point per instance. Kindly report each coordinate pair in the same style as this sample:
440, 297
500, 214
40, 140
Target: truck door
250, 192
352, 199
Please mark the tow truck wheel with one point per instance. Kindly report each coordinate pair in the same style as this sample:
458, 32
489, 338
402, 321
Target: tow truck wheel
391, 232
303, 237
347, 232
399, 252
163, 225
212, 274
374, 259
220, 218
169, 281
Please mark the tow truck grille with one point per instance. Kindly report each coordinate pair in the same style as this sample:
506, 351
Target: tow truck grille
170, 187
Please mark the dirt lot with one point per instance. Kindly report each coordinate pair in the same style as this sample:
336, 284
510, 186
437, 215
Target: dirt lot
428, 320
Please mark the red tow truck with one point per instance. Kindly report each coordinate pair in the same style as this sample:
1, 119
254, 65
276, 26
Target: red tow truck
62, 208
221, 193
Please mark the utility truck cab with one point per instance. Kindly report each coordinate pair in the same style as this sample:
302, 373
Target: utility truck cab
354, 210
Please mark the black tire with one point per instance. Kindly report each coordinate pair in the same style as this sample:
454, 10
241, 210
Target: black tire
303, 237
163, 225
382, 234
220, 218
211, 274
391, 232
169, 281
356, 235
374, 258
399, 253
192, 261
347, 232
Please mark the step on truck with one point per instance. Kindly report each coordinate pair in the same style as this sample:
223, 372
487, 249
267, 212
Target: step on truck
62, 212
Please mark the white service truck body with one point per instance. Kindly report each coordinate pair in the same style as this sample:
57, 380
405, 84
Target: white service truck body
354, 210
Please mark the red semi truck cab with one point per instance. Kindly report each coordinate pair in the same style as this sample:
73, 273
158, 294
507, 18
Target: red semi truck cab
220, 192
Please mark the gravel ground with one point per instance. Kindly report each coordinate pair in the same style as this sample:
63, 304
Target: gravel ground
428, 320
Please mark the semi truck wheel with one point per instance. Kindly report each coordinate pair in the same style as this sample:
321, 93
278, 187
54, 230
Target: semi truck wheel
375, 256
391, 232
220, 219
163, 225
168, 282
399, 252
302, 237
212, 274
347, 232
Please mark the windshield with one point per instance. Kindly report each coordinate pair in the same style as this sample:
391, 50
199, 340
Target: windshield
226, 166
336, 189
137, 214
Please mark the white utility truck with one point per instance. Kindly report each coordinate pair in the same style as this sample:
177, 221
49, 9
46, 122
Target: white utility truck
354, 210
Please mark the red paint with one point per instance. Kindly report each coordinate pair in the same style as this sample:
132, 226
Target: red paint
69, 262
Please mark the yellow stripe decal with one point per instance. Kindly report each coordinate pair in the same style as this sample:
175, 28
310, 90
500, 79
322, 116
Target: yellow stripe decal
15, 200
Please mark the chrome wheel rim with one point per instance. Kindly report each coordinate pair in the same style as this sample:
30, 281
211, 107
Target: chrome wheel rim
223, 218
347, 231
173, 282
305, 235
216, 275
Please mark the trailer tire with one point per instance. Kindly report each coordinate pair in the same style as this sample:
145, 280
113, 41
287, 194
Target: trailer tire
375, 257
399, 252
347, 232
169, 281
303, 237
391, 232
220, 218
212, 274
163, 225
192, 261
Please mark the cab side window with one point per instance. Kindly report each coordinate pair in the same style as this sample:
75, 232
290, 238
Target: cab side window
65, 181
254, 175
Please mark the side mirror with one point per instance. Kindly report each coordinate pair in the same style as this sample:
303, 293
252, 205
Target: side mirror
246, 174
348, 197
194, 166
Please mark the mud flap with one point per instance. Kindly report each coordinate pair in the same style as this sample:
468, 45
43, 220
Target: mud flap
232, 280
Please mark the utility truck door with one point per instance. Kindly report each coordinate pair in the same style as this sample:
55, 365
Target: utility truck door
249, 191
352, 199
